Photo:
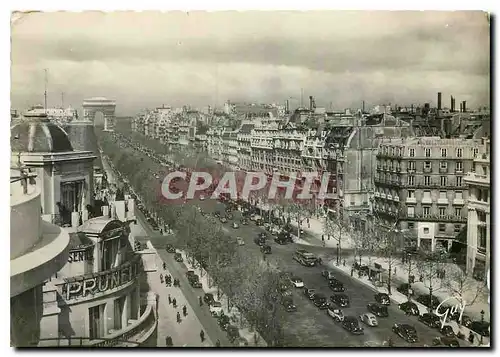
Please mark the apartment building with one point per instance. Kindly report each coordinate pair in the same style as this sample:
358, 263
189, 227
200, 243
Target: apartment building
420, 186
243, 138
262, 145
478, 218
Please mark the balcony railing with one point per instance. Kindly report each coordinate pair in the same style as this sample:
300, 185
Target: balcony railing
434, 218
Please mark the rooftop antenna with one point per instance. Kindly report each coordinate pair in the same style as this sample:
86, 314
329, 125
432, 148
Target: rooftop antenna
45, 92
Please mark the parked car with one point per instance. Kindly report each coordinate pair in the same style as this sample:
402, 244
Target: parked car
409, 308
369, 319
287, 302
447, 331
297, 282
202, 197
190, 274
351, 324
244, 222
229, 215
449, 341
208, 298
170, 248
328, 275
335, 313
195, 283
336, 286
240, 241
263, 235
482, 328
259, 241
309, 293
178, 257
223, 321
266, 249
216, 308
233, 333
223, 220
382, 298
217, 214
427, 301
341, 300
404, 288
431, 320
378, 310
235, 225
406, 332
320, 301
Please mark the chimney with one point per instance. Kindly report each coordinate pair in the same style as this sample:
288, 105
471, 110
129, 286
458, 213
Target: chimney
311, 102
439, 101
464, 107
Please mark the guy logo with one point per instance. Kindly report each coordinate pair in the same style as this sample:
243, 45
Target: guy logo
460, 307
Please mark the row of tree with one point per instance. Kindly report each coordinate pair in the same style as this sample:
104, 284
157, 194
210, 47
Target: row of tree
251, 284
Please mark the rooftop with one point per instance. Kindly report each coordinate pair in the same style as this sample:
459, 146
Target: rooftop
38, 134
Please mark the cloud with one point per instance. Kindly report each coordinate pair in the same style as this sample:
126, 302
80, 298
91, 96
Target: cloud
145, 59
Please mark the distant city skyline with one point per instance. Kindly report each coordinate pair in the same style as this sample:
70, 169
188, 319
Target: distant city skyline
143, 60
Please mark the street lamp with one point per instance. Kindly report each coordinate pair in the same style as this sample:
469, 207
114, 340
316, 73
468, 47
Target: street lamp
409, 275
482, 324
338, 254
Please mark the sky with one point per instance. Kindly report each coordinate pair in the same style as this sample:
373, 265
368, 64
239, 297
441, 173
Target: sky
146, 59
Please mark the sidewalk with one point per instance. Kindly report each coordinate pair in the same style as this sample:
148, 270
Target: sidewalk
419, 288
234, 314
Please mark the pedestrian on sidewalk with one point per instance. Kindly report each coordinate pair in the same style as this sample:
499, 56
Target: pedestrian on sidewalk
169, 299
184, 310
352, 271
308, 224
178, 317
471, 337
200, 300
168, 341
174, 302
217, 343
164, 266
202, 336
323, 239
161, 278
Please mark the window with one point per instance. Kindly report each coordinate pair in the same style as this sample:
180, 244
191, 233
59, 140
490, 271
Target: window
426, 230
475, 152
411, 165
459, 195
443, 152
427, 165
427, 180
443, 165
411, 180
392, 151
458, 212
459, 152
427, 211
412, 152
457, 228
442, 180
442, 211
459, 180
427, 195
442, 227
96, 328
411, 194
459, 166
427, 152
481, 237
442, 195
411, 211
411, 225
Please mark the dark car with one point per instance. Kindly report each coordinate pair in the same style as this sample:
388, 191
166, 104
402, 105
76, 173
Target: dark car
244, 222
208, 298
195, 282
406, 332
351, 324
190, 274
336, 286
259, 241
427, 301
283, 238
341, 300
430, 320
223, 321
217, 214
482, 328
266, 249
447, 331
320, 301
382, 298
378, 310
233, 333
464, 321
178, 257
170, 248
410, 308
288, 304
223, 220
309, 293
229, 215
263, 235
449, 341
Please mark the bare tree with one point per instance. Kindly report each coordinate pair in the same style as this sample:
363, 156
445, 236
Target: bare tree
365, 243
388, 247
336, 228
299, 212
432, 268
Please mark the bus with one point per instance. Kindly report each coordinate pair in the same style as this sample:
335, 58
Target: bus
305, 258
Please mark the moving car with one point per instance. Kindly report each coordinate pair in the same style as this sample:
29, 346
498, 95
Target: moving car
430, 320
427, 301
288, 304
240, 241
319, 300
229, 215
369, 319
170, 248
217, 214
382, 298
195, 283
309, 293
351, 324
223, 220
202, 197
447, 331
336, 286
297, 282
208, 298
378, 310
328, 275
244, 222
263, 235
266, 249
178, 257
259, 241
341, 300
235, 225
334, 313
406, 332
223, 321
409, 308
216, 308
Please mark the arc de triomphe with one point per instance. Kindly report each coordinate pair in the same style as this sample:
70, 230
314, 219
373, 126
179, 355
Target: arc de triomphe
100, 104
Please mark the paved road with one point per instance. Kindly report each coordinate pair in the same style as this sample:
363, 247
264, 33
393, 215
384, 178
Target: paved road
310, 327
